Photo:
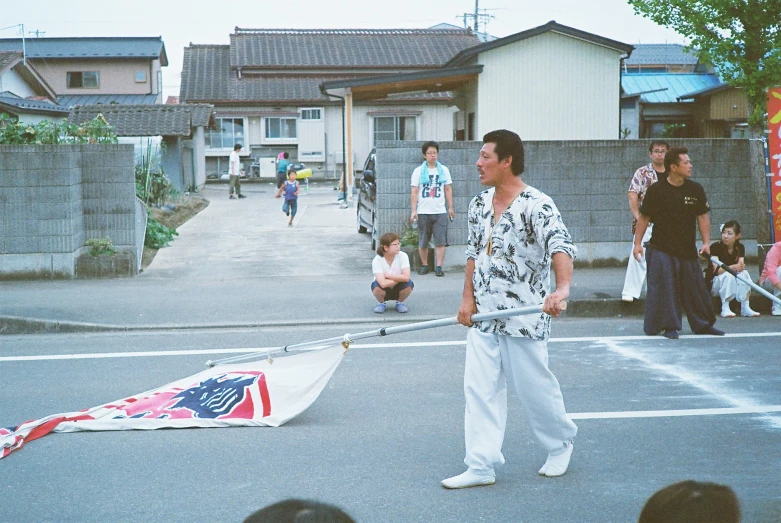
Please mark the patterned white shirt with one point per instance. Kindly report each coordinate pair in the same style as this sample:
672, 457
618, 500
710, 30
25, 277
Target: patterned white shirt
517, 271
643, 178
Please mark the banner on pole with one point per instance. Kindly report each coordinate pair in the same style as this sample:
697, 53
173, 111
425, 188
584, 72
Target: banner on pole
774, 150
261, 394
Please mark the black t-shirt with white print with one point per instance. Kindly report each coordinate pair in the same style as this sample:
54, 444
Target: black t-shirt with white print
674, 211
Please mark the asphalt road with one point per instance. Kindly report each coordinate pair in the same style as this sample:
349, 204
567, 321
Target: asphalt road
389, 427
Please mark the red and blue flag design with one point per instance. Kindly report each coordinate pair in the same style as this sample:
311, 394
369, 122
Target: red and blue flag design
255, 394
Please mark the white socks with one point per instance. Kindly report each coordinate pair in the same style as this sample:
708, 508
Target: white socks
471, 478
557, 465
725, 310
745, 310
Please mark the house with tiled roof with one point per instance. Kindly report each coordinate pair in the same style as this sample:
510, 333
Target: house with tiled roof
664, 58
24, 95
550, 82
181, 126
97, 70
668, 91
265, 87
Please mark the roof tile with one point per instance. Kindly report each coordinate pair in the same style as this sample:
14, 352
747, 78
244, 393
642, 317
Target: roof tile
146, 120
346, 48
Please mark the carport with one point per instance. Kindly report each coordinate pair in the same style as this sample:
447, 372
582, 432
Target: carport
377, 87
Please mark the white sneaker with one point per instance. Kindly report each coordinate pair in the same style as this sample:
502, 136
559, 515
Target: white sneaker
747, 311
471, 478
627, 298
557, 465
776, 311
726, 312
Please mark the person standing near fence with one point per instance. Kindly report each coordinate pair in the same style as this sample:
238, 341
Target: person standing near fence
431, 192
234, 171
515, 235
643, 178
676, 206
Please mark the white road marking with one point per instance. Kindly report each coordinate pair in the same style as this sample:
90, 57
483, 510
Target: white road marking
246, 350
759, 409
742, 405
705, 384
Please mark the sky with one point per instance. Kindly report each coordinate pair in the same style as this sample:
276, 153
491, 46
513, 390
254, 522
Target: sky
211, 22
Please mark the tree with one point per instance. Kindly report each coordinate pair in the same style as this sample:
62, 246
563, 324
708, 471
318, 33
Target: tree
741, 38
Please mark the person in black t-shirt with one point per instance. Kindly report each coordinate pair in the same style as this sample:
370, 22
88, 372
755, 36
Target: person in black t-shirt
676, 206
731, 253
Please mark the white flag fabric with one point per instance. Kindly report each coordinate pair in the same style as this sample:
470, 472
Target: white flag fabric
261, 393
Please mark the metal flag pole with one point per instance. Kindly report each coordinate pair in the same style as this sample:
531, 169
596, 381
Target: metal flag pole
748, 281
347, 339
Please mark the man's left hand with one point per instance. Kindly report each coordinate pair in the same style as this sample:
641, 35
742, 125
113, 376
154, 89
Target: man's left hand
553, 303
451, 213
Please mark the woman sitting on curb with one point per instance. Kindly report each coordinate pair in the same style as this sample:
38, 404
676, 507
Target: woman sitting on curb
391, 273
721, 283
771, 275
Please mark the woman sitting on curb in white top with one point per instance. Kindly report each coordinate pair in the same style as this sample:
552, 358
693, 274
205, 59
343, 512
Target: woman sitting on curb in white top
391, 273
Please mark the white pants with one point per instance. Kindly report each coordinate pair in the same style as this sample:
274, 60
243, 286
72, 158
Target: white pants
634, 282
728, 287
491, 360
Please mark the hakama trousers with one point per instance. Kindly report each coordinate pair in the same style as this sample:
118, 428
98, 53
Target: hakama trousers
675, 286
492, 360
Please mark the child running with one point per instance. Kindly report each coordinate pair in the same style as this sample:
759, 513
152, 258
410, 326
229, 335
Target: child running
723, 284
290, 188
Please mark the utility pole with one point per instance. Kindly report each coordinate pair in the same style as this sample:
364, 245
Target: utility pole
480, 16
21, 31
37, 33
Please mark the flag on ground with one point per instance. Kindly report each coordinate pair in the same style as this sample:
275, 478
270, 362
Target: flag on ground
261, 393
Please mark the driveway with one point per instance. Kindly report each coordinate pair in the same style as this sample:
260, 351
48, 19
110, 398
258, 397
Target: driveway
247, 238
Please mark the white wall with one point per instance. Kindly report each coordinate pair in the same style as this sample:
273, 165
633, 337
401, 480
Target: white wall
13, 83
550, 87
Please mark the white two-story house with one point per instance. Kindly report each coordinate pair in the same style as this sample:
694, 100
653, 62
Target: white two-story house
265, 87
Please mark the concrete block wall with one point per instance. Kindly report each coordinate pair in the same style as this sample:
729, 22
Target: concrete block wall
55, 197
588, 181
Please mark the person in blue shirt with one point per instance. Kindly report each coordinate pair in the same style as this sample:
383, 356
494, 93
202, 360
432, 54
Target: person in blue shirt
290, 188
283, 164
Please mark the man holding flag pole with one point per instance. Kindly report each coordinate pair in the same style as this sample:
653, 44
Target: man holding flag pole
515, 234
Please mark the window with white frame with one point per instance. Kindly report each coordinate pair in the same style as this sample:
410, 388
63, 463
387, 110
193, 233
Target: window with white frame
279, 128
230, 131
311, 114
140, 77
395, 128
82, 79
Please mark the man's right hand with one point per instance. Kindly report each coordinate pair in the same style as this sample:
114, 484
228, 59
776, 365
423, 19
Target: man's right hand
637, 252
413, 216
465, 312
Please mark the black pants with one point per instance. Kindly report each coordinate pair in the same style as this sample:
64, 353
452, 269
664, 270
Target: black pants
675, 286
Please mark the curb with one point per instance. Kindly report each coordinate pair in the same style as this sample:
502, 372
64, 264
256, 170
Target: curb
14, 325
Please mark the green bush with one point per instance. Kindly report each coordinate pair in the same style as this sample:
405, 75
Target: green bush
96, 130
410, 237
100, 246
157, 234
